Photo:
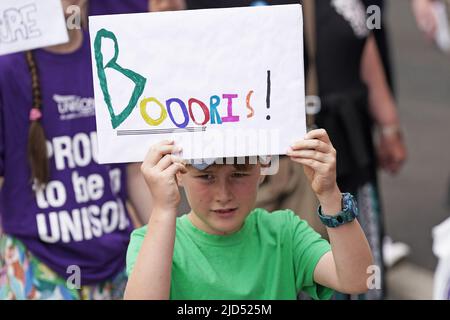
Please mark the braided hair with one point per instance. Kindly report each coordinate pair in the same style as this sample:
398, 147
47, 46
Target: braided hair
37, 143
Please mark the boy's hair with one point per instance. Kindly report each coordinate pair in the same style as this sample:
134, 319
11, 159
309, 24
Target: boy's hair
37, 145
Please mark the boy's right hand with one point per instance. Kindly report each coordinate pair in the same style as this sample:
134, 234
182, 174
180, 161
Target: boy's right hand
159, 169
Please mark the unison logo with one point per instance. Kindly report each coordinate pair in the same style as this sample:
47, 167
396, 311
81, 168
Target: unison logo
73, 107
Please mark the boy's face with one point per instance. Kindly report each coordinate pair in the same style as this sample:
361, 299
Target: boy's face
221, 196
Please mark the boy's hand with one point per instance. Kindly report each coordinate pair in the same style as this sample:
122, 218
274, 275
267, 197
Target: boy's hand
159, 169
318, 157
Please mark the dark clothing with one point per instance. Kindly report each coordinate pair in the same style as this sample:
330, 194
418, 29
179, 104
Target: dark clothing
344, 97
382, 39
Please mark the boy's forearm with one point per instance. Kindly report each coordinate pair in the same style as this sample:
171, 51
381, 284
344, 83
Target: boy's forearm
352, 256
151, 275
351, 251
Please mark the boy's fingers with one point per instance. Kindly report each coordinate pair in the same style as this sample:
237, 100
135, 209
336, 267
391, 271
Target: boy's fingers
153, 148
313, 164
317, 166
311, 154
311, 145
174, 168
319, 134
164, 163
157, 151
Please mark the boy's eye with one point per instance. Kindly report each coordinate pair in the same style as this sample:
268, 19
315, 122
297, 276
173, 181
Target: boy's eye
206, 177
239, 174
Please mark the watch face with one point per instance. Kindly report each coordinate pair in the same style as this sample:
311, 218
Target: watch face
349, 204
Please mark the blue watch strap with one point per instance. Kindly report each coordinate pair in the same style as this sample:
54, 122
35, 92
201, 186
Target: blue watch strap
348, 214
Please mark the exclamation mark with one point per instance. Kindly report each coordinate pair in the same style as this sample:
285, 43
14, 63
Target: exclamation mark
268, 93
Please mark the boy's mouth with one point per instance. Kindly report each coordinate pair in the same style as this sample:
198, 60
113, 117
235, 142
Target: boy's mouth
225, 212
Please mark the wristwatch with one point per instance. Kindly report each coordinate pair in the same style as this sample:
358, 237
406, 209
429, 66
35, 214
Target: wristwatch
348, 214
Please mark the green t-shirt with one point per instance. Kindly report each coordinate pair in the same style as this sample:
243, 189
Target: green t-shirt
273, 256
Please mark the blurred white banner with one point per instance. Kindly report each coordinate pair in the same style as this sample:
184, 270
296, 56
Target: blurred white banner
31, 24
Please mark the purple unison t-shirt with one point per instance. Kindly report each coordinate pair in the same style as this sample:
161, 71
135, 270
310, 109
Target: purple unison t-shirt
80, 218
104, 7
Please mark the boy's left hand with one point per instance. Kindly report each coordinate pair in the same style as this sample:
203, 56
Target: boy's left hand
318, 157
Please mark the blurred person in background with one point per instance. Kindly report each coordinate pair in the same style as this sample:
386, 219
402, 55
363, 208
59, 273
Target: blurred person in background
66, 226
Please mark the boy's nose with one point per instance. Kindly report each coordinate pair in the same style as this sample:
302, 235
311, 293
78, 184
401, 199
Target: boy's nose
223, 193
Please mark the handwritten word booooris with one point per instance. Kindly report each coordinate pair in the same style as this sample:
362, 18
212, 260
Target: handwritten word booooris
88, 220
218, 110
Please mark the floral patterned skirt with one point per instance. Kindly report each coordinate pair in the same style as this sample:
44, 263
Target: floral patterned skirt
23, 276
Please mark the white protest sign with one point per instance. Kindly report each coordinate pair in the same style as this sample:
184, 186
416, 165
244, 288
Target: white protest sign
220, 82
31, 24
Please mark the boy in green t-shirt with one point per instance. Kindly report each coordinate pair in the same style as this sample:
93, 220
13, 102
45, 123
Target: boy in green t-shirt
226, 249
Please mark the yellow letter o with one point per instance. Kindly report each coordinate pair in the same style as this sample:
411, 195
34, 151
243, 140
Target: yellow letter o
145, 115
